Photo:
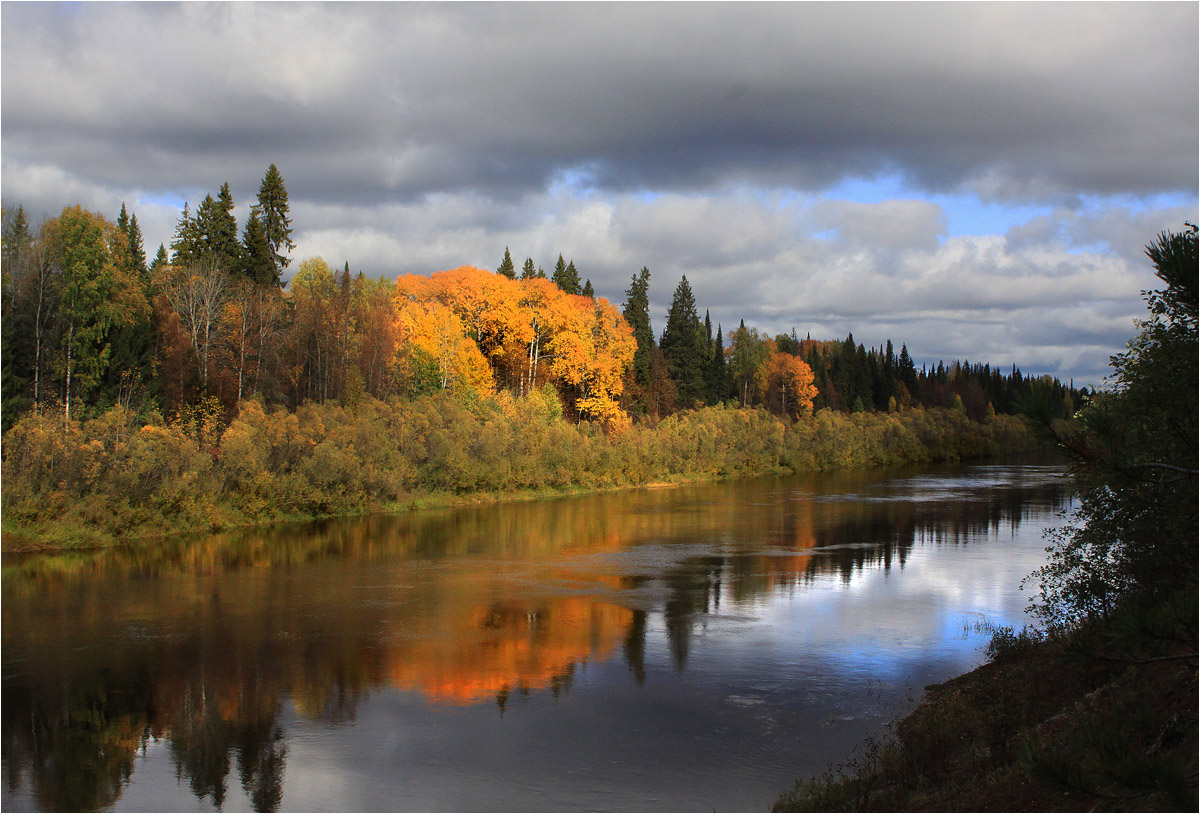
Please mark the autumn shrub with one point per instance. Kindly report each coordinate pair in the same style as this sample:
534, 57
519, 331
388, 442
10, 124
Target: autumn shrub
327, 459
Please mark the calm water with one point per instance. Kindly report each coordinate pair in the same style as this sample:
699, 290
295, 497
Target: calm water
676, 649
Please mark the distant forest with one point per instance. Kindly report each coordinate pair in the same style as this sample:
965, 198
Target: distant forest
90, 322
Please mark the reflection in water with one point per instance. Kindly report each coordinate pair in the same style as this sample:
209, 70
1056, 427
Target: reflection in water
203, 643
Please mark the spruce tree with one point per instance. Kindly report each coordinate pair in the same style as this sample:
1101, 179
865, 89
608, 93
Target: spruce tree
160, 258
277, 225
224, 237
258, 262
718, 372
907, 372
123, 220
565, 276
185, 246
528, 272
16, 238
637, 314
684, 347
137, 248
506, 266
588, 291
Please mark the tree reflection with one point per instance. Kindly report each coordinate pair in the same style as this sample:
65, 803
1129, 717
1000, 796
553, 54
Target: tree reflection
204, 642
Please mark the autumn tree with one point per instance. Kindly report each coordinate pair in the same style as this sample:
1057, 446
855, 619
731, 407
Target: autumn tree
790, 385
94, 295
748, 356
197, 293
129, 375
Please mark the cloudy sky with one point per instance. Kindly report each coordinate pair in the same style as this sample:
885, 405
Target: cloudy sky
975, 180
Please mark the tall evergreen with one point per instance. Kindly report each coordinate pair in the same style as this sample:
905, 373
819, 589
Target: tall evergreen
277, 225
185, 247
637, 314
123, 228
137, 248
160, 258
258, 262
224, 236
907, 371
718, 381
528, 272
684, 346
506, 266
588, 291
565, 276
16, 238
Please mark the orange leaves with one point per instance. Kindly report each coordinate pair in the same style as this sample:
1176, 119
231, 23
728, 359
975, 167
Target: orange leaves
467, 319
790, 381
438, 332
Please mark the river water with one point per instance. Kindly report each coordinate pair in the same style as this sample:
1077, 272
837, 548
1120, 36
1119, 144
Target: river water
685, 649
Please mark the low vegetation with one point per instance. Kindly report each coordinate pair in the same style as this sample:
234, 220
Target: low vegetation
113, 477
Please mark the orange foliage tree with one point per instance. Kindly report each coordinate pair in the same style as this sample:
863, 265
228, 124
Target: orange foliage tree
790, 384
481, 330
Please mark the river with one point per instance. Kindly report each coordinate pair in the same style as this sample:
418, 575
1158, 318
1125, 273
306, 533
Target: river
676, 649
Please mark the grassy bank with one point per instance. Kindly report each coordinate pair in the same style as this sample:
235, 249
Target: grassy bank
112, 478
1103, 718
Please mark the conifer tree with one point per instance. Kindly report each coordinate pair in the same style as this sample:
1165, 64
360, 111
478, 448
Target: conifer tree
637, 314
160, 258
185, 245
258, 262
137, 248
719, 383
123, 221
273, 210
588, 291
684, 346
565, 276
907, 371
506, 266
528, 272
224, 237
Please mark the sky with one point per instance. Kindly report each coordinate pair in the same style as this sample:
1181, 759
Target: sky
975, 180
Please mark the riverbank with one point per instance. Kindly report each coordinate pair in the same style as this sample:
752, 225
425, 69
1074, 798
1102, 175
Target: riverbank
112, 479
1101, 719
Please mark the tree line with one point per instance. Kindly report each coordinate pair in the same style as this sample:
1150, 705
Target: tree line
89, 324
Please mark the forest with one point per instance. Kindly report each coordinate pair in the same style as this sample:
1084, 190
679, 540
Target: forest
198, 388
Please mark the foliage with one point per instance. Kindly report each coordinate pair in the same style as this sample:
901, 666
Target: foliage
1135, 450
118, 477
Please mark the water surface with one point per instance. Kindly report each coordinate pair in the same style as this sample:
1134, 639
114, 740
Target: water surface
695, 648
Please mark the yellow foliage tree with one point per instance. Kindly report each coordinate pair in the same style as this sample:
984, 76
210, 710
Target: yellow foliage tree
790, 383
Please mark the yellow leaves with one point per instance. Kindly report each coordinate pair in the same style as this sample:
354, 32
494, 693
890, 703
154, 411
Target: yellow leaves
791, 381
472, 322
439, 332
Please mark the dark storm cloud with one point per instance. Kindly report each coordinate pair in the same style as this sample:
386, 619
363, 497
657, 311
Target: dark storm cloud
692, 138
1022, 101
